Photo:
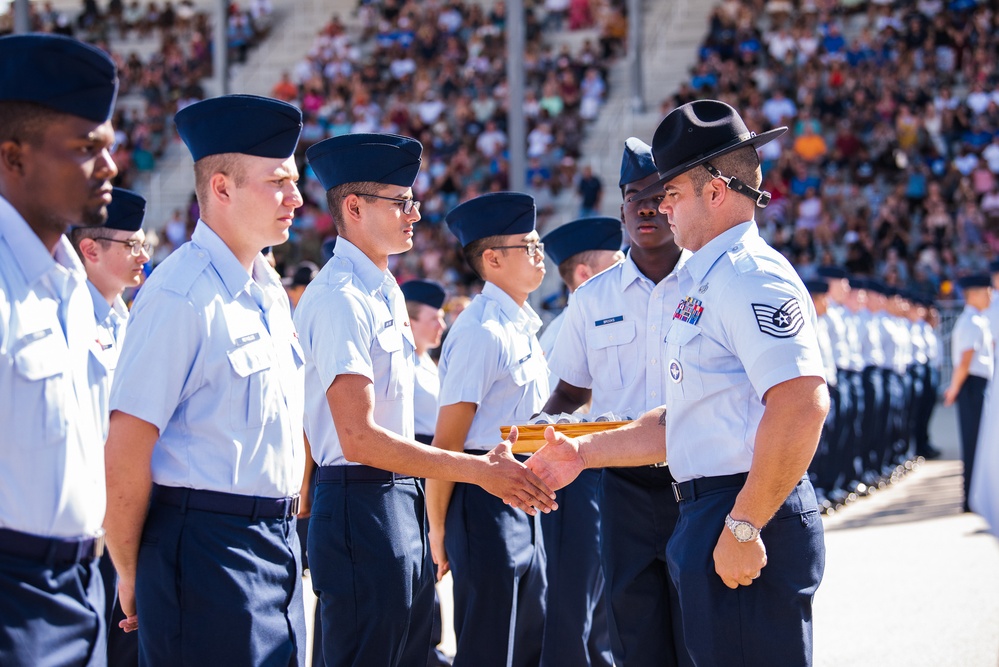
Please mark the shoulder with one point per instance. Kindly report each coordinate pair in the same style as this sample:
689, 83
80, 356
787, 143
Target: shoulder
180, 271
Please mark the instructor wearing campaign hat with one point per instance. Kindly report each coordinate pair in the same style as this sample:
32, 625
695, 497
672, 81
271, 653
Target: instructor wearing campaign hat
56, 99
205, 451
745, 402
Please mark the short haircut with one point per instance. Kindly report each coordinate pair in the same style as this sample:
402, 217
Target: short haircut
743, 164
587, 257
25, 121
229, 164
77, 234
473, 252
338, 193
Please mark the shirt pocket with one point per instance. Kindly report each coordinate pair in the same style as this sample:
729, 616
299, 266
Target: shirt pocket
683, 350
527, 375
41, 389
247, 408
609, 357
391, 343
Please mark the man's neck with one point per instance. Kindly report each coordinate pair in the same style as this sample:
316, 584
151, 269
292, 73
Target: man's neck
656, 263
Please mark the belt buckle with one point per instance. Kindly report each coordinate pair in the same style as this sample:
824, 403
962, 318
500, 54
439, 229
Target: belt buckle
296, 503
676, 492
661, 464
99, 541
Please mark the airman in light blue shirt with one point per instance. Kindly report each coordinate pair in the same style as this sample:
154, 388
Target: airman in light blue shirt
57, 95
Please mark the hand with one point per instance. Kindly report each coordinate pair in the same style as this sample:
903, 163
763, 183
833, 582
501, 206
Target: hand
511, 480
558, 462
126, 598
738, 563
950, 396
304, 506
438, 552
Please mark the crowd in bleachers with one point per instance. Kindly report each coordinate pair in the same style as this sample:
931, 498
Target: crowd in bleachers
436, 71
154, 82
890, 166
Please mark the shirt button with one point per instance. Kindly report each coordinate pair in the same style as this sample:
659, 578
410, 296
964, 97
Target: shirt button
653, 394
653, 327
654, 362
610, 338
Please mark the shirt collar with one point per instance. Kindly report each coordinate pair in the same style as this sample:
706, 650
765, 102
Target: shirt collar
234, 275
733, 239
370, 275
32, 257
631, 273
101, 306
523, 318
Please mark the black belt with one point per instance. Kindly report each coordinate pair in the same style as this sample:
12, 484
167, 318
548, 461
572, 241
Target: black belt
690, 489
51, 549
252, 507
482, 452
344, 474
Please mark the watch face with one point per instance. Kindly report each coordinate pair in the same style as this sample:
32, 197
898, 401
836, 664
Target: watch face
743, 532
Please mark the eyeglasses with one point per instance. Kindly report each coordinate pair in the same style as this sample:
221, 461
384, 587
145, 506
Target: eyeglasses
134, 247
532, 248
407, 205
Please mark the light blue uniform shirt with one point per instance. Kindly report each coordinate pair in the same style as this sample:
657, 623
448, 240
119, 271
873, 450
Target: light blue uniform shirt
547, 340
869, 331
112, 320
426, 390
823, 327
971, 332
212, 360
745, 324
52, 388
352, 320
611, 341
854, 332
492, 357
933, 352
839, 335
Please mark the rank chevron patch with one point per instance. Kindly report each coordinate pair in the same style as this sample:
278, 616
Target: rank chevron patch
782, 322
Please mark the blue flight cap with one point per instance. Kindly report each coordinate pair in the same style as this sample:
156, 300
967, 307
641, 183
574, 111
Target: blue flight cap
389, 159
834, 272
59, 73
424, 291
878, 287
246, 124
126, 211
492, 214
859, 282
994, 266
975, 280
582, 235
637, 162
817, 286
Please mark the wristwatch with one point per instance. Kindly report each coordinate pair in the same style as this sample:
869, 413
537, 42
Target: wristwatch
743, 530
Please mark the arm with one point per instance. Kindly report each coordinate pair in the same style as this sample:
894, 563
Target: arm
305, 494
566, 398
958, 377
128, 453
561, 459
351, 401
453, 424
785, 444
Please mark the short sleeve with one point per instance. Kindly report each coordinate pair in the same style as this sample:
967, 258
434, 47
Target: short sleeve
157, 369
569, 359
470, 364
335, 330
771, 328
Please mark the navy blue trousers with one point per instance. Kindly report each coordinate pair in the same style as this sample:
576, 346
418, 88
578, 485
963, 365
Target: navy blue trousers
497, 556
51, 614
371, 567
637, 521
215, 589
875, 418
576, 633
970, 401
769, 622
